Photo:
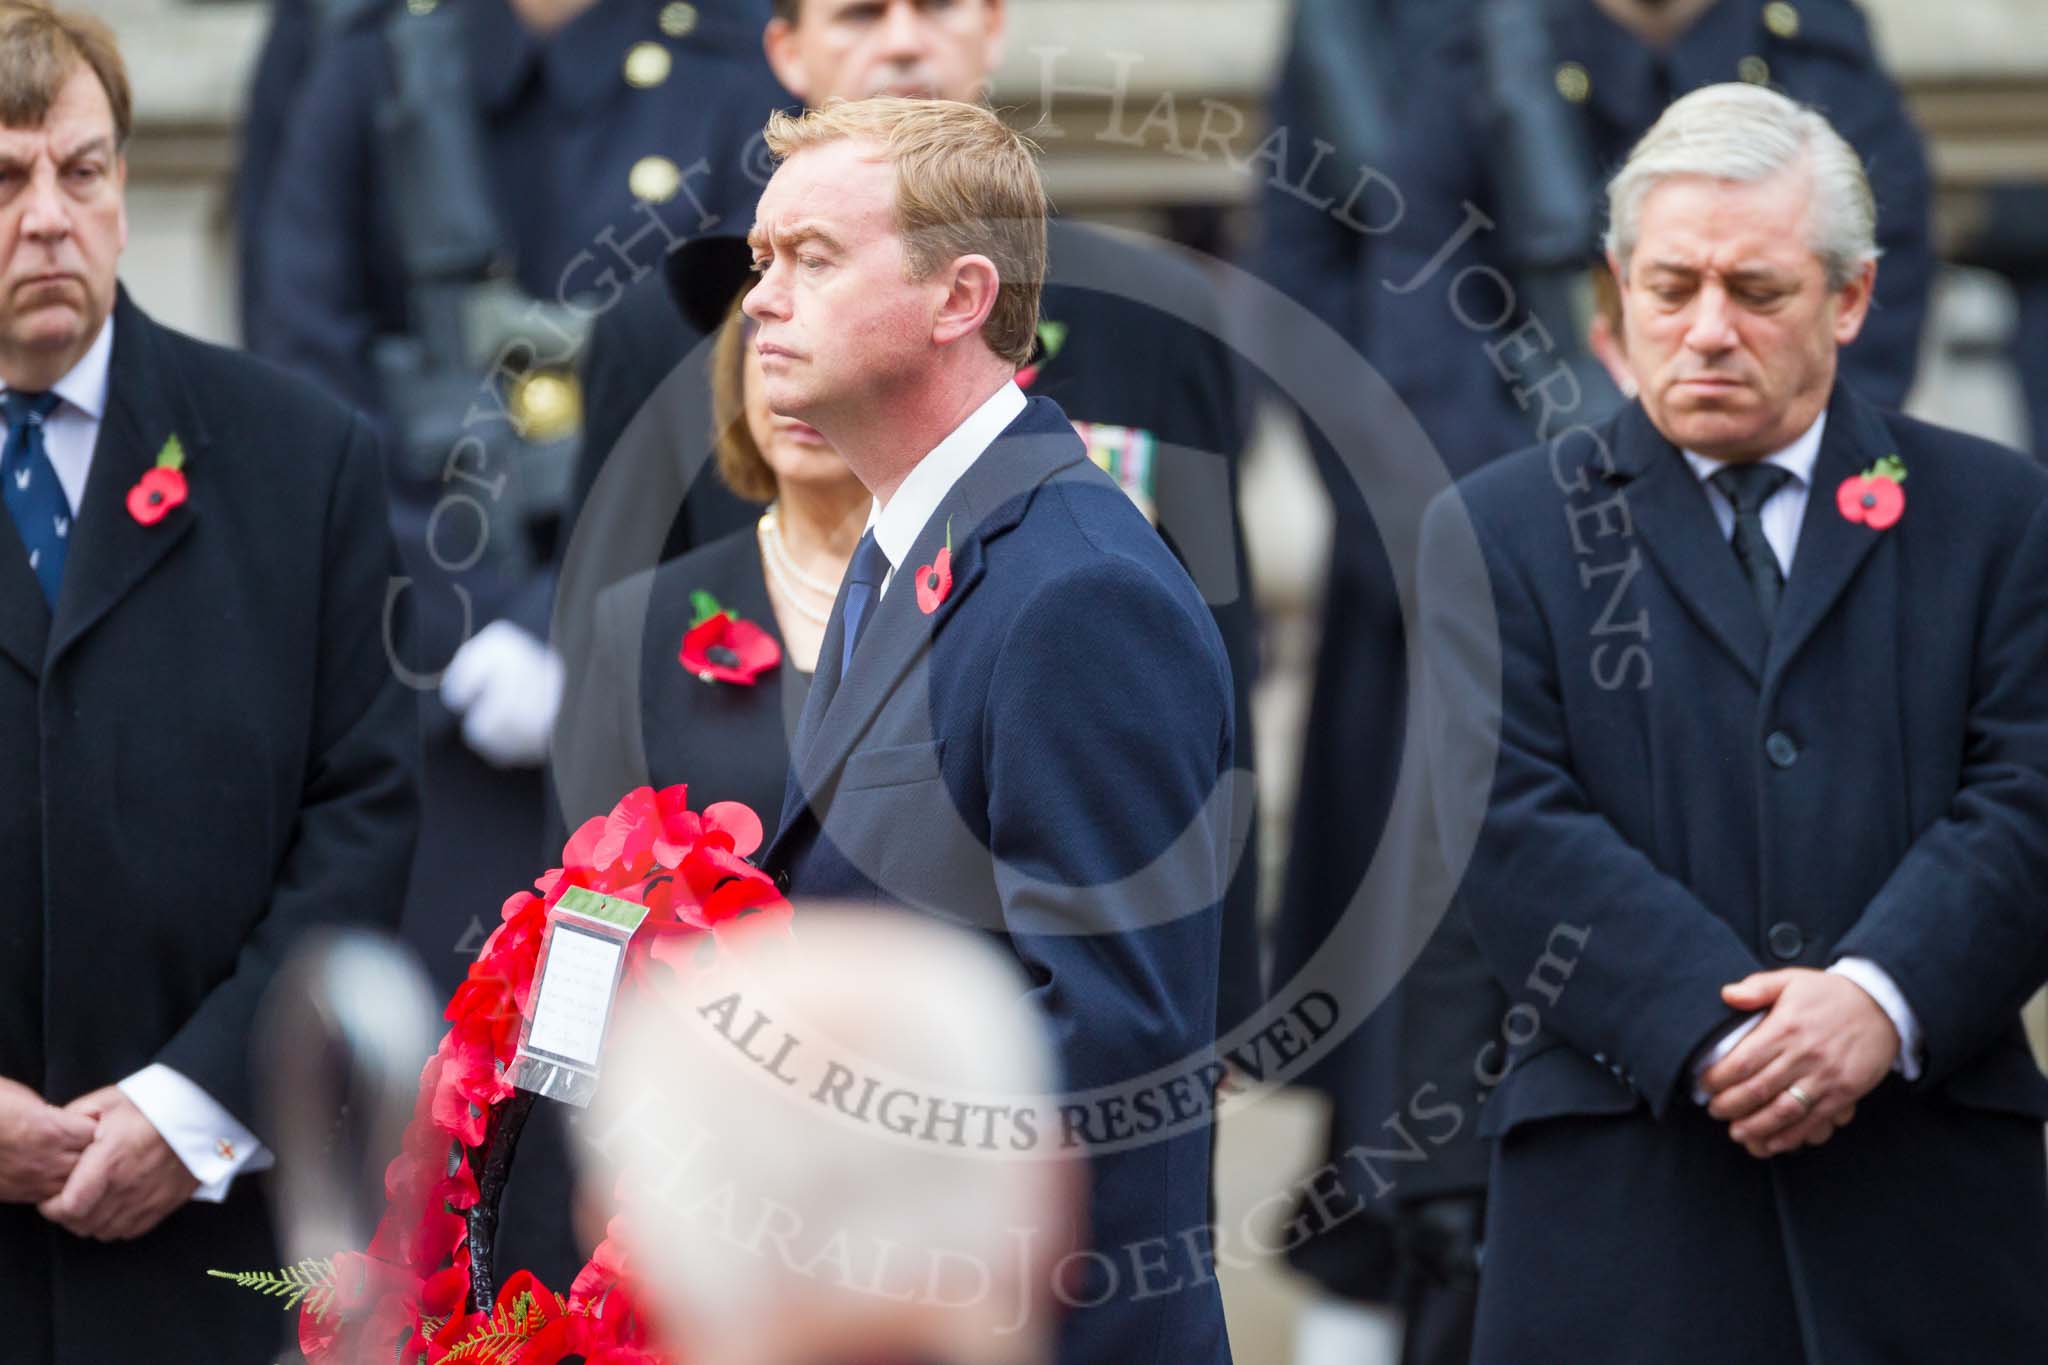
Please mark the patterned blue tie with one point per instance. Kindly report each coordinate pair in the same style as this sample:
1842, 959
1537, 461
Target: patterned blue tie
863, 584
41, 511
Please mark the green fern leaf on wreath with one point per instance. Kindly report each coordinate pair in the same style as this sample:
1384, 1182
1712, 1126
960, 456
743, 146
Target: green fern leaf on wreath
508, 1329
310, 1282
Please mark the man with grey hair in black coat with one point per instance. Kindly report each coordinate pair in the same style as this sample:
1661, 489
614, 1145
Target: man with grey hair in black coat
1756, 670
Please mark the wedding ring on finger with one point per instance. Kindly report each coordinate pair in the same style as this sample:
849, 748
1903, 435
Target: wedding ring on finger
1805, 1100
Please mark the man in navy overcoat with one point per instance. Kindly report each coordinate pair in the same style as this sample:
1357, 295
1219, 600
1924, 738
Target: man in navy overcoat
1022, 715
1763, 855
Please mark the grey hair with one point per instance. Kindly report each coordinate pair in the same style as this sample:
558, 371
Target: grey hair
929, 1016
1747, 133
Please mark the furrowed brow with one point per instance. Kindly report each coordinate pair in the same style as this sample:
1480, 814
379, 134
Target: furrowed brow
801, 233
98, 146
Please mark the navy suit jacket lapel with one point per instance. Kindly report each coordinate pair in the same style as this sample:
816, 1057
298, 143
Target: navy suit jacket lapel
1669, 507
1831, 547
988, 501
111, 551
824, 682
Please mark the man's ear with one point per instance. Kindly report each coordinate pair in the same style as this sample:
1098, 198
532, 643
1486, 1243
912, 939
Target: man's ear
1852, 303
972, 287
779, 43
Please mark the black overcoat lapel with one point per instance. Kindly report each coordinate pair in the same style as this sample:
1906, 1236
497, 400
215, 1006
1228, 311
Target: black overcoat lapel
1831, 547
1669, 509
111, 551
24, 616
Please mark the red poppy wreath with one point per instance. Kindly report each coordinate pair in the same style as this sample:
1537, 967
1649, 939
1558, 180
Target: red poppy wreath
424, 1291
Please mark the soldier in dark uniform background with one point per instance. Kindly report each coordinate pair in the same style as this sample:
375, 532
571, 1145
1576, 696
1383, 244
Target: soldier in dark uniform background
604, 132
1609, 68
1320, 214
2010, 236
1158, 397
1519, 113
462, 186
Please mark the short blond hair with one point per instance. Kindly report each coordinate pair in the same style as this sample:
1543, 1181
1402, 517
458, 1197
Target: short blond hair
965, 185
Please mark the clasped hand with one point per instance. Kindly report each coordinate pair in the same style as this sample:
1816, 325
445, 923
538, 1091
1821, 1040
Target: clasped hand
95, 1167
1820, 1032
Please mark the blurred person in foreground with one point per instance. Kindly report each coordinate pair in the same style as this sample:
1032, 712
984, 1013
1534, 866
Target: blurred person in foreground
1763, 868
203, 751
1129, 342
1022, 714
894, 1243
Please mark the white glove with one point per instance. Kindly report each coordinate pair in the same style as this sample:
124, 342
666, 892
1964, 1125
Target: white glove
506, 685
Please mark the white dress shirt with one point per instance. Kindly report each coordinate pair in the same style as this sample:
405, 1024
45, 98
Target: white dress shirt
213, 1146
898, 523
1783, 510
1781, 515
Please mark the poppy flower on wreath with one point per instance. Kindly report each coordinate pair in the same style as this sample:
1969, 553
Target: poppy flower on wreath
162, 487
417, 1295
935, 580
1875, 497
721, 647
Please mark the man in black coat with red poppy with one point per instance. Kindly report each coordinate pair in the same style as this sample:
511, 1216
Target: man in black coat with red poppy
205, 753
1743, 694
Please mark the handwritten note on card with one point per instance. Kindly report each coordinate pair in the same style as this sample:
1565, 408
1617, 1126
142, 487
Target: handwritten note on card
575, 996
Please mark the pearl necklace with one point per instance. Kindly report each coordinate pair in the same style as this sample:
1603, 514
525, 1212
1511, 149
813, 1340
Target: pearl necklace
786, 574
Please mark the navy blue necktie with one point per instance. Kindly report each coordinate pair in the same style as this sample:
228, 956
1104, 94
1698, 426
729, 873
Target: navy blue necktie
1748, 487
34, 497
863, 585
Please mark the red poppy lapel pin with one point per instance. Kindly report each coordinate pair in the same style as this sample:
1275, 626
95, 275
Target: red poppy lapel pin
1874, 498
721, 647
935, 580
1051, 336
160, 488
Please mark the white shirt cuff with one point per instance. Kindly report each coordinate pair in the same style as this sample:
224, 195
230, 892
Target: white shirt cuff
1878, 984
206, 1137
1719, 1050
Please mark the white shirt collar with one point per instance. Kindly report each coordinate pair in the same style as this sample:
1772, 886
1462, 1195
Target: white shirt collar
1796, 459
898, 525
84, 386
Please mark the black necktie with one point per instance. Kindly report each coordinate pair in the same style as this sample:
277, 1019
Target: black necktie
863, 585
1748, 487
29, 482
